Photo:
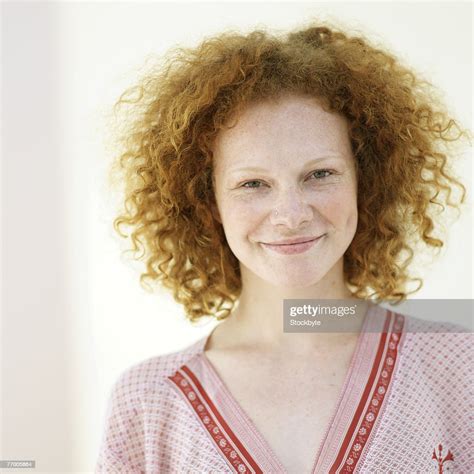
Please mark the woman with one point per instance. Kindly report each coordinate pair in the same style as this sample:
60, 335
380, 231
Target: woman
238, 148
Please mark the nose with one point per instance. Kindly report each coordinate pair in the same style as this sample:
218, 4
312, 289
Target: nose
293, 209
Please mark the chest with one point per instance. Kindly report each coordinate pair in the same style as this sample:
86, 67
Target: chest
290, 404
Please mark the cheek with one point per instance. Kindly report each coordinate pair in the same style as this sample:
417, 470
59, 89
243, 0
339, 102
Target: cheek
242, 214
239, 219
341, 204
348, 210
351, 224
340, 210
243, 208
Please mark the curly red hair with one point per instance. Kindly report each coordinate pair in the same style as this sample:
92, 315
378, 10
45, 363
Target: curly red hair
400, 132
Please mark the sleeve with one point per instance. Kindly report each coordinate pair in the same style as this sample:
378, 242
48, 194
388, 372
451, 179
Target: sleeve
122, 444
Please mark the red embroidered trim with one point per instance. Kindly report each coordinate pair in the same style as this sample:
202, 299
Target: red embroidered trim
365, 423
224, 438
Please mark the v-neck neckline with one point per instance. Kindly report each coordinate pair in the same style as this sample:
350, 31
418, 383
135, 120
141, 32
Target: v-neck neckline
359, 401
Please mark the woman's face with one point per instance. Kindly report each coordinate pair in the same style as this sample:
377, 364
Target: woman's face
286, 171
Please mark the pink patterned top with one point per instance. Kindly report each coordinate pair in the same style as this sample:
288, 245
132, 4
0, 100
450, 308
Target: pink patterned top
405, 406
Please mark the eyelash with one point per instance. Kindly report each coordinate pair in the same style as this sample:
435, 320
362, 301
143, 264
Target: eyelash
258, 181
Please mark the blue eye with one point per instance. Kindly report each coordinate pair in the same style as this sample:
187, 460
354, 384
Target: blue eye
330, 173
251, 187
322, 171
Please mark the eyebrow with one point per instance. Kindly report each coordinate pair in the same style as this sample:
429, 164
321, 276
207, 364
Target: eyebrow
309, 163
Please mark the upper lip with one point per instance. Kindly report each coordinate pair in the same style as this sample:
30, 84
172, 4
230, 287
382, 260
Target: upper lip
297, 240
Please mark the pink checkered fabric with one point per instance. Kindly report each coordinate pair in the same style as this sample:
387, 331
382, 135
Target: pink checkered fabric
150, 427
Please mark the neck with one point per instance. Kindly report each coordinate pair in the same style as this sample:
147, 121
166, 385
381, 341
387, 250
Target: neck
257, 322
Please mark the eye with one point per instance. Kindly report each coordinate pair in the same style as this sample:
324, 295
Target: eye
322, 171
251, 187
329, 173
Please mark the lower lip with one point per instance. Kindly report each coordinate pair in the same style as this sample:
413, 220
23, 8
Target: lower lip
293, 248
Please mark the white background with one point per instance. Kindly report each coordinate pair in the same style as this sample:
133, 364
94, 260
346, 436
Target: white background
73, 313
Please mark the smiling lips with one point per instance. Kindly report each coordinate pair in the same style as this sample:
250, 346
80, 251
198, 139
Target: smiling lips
297, 240
293, 246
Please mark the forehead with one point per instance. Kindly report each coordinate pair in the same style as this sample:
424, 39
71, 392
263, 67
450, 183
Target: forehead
287, 128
